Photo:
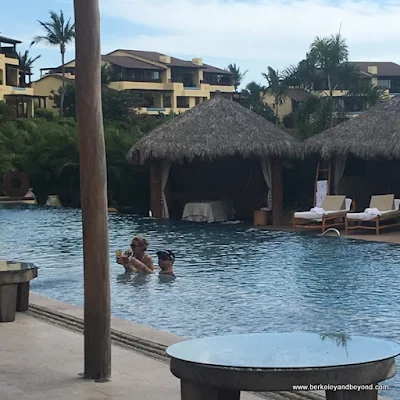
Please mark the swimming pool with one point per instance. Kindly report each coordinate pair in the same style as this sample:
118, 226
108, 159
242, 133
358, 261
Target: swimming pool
230, 278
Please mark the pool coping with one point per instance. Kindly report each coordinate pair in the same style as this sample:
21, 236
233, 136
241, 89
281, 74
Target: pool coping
140, 331
390, 237
141, 338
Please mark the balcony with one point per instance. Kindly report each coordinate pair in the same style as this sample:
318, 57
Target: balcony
140, 85
216, 83
8, 53
147, 80
17, 91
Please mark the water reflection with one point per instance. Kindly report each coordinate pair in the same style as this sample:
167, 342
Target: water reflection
338, 338
140, 279
125, 278
166, 279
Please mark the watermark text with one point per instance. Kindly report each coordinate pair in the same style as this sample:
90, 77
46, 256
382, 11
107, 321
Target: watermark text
341, 387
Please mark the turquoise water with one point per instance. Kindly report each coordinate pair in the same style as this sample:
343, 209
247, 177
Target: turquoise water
230, 278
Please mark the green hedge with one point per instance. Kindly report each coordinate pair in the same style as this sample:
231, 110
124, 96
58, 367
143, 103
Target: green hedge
48, 151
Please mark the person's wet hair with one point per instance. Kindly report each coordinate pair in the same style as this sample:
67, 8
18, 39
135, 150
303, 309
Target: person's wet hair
141, 241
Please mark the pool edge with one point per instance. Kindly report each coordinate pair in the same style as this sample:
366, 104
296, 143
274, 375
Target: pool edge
141, 338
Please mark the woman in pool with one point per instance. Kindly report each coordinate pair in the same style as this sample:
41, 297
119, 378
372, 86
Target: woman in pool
137, 260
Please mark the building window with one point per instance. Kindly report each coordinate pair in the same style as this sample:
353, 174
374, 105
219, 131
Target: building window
197, 100
182, 102
384, 83
167, 101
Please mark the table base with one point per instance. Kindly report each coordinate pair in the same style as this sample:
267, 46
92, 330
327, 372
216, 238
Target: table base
23, 296
8, 301
352, 395
193, 391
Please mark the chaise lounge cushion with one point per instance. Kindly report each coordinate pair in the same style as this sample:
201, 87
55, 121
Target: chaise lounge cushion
382, 202
331, 205
379, 204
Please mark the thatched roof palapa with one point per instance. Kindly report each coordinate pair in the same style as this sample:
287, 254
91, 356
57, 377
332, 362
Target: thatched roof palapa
216, 128
375, 133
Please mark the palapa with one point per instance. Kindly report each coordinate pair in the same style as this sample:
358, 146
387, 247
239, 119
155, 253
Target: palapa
373, 134
216, 128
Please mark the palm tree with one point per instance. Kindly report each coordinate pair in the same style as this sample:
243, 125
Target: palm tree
276, 88
58, 32
25, 65
304, 75
253, 99
330, 56
237, 76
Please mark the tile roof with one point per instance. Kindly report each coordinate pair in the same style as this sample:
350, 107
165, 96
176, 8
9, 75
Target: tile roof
299, 94
385, 68
8, 40
215, 70
69, 80
155, 56
129, 62
175, 62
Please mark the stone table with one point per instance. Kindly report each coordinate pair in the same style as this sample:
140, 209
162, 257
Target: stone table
14, 287
220, 367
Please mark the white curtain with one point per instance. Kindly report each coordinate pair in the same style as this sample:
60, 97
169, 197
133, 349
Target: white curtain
165, 169
339, 165
267, 172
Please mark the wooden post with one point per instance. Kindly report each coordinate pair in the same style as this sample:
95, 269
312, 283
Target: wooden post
155, 190
277, 192
97, 330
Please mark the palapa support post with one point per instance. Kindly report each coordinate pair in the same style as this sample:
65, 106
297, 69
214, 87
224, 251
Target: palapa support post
97, 332
277, 192
155, 189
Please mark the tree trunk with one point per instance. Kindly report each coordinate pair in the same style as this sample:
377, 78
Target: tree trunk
330, 101
22, 79
97, 341
62, 83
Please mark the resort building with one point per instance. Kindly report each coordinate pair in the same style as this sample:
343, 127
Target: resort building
385, 75
13, 89
290, 102
166, 84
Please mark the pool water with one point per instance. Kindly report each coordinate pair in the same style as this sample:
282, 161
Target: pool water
230, 278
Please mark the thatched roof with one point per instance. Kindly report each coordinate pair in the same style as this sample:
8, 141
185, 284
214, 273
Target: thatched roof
374, 133
215, 128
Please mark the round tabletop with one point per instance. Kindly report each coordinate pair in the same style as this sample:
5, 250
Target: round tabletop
8, 266
14, 272
284, 350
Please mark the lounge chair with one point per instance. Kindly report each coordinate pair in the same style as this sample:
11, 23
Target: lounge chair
383, 212
332, 213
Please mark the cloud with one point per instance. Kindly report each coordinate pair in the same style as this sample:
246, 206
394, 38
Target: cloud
276, 32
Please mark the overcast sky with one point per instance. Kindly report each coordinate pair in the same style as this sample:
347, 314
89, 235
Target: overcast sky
253, 34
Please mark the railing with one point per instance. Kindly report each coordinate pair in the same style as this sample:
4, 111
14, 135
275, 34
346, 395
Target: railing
213, 83
180, 80
9, 54
147, 80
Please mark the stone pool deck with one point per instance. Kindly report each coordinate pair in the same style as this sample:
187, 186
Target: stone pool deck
42, 353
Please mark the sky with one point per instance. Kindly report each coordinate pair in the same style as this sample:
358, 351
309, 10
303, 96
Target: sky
254, 34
